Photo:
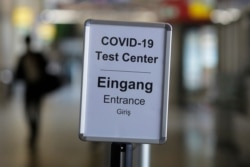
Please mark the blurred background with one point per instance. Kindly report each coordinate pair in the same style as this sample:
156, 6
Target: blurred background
209, 107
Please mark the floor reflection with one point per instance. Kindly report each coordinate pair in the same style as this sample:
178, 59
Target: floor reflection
192, 137
33, 160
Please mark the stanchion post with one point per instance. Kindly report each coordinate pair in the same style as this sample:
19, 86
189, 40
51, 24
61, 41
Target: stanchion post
142, 155
121, 155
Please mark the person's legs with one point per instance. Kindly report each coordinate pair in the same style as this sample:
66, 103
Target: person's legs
33, 118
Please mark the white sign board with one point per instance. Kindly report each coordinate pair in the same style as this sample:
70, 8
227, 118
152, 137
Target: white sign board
125, 84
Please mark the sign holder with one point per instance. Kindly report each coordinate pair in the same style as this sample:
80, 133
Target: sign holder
125, 82
121, 155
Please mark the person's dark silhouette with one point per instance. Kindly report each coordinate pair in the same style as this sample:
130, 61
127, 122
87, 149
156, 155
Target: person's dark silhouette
31, 69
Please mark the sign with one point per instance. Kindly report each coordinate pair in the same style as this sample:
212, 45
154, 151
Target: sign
125, 84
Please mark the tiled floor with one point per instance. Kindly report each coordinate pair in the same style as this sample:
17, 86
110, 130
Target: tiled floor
191, 137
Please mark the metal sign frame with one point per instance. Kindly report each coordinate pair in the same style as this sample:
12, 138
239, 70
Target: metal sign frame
110, 45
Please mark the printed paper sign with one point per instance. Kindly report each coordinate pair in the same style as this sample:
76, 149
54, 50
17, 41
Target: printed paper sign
125, 82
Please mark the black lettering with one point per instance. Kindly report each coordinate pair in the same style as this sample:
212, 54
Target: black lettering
101, 82
103, 42
113, 41
123, 100
124, 57
111, 57
140, 85
98, 54
114, 84
149, 87
123, 86
106, 99
122, 41
133, 42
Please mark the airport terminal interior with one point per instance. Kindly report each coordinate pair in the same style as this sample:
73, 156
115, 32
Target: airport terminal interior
208, 121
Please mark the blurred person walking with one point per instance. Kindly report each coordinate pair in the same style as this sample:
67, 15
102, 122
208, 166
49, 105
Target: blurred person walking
31, 69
